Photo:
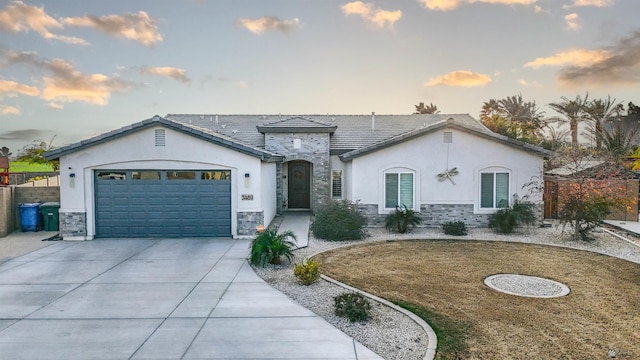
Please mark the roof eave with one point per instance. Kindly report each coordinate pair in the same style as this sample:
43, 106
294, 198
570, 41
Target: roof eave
155, 121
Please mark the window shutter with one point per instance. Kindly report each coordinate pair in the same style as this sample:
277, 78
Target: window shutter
502, 190
391, 190
336, 184
406, 190
486, 190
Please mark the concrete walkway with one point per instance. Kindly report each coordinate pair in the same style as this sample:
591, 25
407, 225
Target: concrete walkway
154, 299
298, 222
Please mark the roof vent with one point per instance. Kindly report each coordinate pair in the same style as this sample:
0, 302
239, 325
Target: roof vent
201, 117
216, 119
223, 126
189, 121
234, 131
160, 137
373, 120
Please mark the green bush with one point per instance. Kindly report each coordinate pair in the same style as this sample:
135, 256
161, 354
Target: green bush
306, 272
456, 228
402, 220
339, 220
505, 220
270, 246
353, 306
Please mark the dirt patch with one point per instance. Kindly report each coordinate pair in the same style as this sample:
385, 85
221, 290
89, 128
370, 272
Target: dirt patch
602, 311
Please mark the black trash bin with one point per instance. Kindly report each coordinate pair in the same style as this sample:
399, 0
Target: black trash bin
30, 219
50, 217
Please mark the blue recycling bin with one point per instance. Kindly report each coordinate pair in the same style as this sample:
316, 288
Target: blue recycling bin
30, 219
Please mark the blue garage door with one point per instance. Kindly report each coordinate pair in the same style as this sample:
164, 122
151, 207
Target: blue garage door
163, 203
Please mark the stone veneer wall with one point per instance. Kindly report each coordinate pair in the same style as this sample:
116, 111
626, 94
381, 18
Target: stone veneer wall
248, 222
73, 224
314, 149
433, 215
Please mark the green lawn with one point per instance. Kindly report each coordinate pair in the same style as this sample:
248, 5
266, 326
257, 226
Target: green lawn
23, 166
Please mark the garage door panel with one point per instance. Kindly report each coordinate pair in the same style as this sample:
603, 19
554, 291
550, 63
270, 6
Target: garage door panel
127, 207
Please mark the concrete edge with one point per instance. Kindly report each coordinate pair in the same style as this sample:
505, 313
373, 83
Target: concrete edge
431, 335
620, 236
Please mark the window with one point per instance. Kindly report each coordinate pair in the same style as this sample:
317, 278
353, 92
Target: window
145, 175
398, 190
112, 175
216, 175
336, 184
181, 175
494, 190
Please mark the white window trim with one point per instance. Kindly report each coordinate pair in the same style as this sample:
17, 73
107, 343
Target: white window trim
383, 205
492, 170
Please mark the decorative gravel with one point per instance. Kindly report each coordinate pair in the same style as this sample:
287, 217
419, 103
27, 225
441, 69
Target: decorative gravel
530, 286
389, 333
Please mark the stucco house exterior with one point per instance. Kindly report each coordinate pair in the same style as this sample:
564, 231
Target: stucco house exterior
223, 175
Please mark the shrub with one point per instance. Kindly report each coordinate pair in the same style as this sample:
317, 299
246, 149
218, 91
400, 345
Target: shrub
306, 272
270, 246
353, 306
455, 228
402, 220
339, 220
505, 220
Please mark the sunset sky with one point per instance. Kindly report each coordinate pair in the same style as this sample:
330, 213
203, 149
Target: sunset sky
77, 68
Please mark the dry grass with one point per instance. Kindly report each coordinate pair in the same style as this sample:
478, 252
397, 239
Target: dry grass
446, 278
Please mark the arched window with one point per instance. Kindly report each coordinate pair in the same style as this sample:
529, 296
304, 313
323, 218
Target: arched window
495, 187
399, 188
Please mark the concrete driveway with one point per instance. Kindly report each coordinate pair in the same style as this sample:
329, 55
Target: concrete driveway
155, 299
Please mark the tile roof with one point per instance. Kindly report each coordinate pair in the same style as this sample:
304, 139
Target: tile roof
352, 135
351, 132
196, 131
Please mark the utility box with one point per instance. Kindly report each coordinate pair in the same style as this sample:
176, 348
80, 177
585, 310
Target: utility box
50, 217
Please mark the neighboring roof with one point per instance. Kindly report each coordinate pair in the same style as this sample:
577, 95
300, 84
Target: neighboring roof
575, 168
199, 132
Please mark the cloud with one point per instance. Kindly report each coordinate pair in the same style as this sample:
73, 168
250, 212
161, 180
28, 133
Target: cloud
260, 25
621, 66
378, 17
139, 27
9, 110
573, 22
19, 17
65, 83
55, 106
525, 83
172, 72
25, 134
446, 5
577, 57
596, 3
12, 87
462, 78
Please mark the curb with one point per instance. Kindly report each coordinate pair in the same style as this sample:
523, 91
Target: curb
431, 335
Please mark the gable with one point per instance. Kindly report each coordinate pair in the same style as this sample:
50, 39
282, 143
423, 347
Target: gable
158, 122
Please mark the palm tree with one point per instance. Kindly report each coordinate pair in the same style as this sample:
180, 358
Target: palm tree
513, 117
598, 111
429, 109
574, 112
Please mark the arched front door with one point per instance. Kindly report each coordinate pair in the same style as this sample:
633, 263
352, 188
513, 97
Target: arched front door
299, 185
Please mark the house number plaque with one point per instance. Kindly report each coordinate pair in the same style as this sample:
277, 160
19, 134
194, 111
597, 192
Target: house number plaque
247, 196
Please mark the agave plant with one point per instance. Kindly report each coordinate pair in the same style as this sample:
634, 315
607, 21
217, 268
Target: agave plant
270, 247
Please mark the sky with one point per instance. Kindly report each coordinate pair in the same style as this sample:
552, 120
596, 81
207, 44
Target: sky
78, 68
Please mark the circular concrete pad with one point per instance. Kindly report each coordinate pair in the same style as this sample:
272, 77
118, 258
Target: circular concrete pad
529, 286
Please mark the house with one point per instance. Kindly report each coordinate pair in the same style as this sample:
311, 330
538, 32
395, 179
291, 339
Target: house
223, 175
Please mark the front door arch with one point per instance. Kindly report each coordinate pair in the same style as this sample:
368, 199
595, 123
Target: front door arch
299, 187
